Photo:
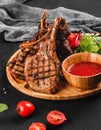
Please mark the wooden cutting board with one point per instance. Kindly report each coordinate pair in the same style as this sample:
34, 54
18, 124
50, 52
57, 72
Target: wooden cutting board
66, 93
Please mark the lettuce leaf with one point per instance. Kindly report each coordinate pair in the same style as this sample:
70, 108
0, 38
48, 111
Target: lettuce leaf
90, 44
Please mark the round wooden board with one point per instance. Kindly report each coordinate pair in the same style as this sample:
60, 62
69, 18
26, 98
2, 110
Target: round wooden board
66, 93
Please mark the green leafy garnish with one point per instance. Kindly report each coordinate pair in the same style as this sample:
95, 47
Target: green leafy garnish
99, 47
3, 107
90, 44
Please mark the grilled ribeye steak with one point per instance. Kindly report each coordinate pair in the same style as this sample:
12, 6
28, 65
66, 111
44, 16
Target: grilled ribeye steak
43, 70
28, 48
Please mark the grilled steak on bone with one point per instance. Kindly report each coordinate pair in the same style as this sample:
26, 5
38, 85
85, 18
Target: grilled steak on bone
29, 48
39, 60
43, 70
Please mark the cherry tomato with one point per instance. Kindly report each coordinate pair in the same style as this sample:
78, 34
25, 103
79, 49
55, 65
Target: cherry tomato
74, 39
25, 108
37, 126
56, 117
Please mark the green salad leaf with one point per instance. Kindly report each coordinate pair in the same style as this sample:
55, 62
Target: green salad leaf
3, 107
99, 44
90, 44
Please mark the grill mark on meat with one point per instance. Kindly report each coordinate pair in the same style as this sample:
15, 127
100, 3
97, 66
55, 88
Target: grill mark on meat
49, 69
40, 66
22, 57
37, 59
32, 50
11, 64
19, 70
43, 67
18, 73
19, 65
19, 76
36, 75
45, 71
44, 77
43, 74
50, 58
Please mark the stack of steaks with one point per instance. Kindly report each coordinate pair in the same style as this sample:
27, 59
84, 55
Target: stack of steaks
39, 59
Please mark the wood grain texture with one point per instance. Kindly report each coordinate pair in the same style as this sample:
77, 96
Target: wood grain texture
66, 93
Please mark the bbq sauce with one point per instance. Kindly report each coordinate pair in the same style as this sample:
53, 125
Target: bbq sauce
85, 68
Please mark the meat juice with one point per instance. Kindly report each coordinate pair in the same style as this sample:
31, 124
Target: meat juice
85, 69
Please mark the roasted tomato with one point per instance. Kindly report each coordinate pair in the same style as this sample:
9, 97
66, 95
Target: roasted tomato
74, 39
25, 108
37, 126
56, 117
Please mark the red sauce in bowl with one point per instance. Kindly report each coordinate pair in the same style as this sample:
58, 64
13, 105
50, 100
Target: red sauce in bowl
85, 68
